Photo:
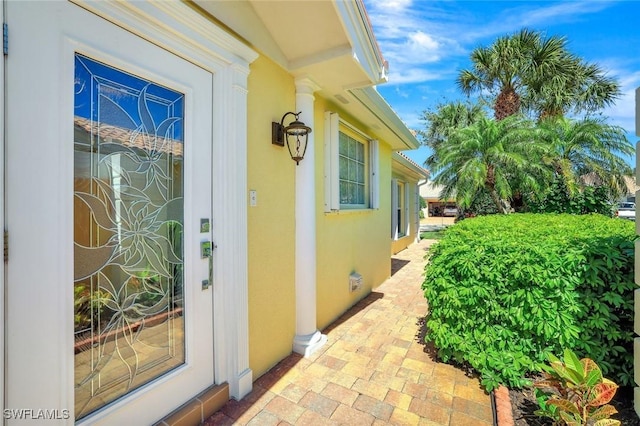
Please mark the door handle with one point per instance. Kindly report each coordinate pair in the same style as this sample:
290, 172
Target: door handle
206, 251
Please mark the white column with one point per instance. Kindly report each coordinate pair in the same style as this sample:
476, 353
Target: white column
308, 339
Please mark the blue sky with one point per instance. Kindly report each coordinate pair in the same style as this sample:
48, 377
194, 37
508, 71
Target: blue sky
428, 42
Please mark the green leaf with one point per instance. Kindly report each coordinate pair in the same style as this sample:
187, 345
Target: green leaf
572, 362
565, 373
592, 372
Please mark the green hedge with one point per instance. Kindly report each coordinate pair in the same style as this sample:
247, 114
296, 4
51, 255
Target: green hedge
504, 291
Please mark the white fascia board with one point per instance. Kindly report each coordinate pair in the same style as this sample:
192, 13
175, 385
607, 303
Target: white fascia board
365, 48
181, 27
407, 167
378, 106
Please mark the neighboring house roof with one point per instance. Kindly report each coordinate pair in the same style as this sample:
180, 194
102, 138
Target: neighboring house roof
329, 42
432, 191
407, 166
593, 179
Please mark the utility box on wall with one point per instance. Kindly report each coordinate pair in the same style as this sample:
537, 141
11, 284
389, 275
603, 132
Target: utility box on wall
355, 282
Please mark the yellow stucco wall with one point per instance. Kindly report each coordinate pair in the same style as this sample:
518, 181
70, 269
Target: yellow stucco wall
271, 173
349, 241
404, 242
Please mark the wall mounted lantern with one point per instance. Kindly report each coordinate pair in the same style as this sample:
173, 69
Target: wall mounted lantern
295, 134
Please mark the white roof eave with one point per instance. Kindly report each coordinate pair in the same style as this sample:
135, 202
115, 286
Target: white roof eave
396, 133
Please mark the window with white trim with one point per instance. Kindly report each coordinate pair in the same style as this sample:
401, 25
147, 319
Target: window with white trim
351, 167
399, 209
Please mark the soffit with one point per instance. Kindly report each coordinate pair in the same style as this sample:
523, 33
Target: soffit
328, 42
309, 38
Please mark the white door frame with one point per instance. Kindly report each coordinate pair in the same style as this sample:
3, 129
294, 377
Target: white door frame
183, 31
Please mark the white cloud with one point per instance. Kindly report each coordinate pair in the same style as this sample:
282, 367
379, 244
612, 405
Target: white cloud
404, 75
623, 112
395, 4
419, 40
566, 11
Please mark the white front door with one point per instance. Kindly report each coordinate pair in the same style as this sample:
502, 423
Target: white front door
108, 200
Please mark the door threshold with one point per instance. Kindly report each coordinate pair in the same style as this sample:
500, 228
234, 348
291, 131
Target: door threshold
199, 408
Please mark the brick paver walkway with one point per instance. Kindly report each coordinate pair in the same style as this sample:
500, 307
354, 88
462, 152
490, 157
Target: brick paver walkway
374, 369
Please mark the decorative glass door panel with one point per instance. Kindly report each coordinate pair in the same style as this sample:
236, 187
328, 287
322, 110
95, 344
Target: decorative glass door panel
128, 232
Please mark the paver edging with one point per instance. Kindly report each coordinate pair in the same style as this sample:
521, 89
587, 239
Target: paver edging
503, 410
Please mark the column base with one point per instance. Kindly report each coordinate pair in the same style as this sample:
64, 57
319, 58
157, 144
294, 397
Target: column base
308, 344
241, 385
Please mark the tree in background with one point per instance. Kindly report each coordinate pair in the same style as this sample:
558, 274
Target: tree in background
573, 87
442, 122
526, 72
587, 147
487, 156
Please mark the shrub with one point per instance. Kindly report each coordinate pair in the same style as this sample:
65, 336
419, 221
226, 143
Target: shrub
507, 291
590, 199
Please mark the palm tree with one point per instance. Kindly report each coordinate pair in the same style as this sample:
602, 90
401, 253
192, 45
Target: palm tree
587, 147
572, 87
526, 72
501, 157
443, 121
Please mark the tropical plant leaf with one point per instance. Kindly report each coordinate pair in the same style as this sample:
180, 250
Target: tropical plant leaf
565, 405
550, 383
572, 363
592, 372
569, 419
607, 422
603, 412
569, 375
601, 394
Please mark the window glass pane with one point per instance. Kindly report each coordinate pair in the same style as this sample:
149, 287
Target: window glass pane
352, 148
352, 193
352, 171
344, 144
344, 196
360, 190
344, 168
360, 152
128, 221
